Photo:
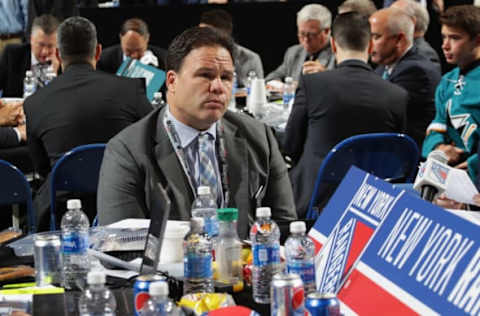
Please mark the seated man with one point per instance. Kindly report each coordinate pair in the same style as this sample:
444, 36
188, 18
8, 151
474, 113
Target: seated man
454, 130
313, 54
245, 59
18, 58
81, 106
134, 37
321, 118
400, 63
194, 141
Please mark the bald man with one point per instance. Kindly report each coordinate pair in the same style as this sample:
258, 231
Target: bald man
400, 63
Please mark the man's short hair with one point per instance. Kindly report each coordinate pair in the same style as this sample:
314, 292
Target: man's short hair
46, 22
315, 12
400, 22
419, 12
365, 7
465, 17
218, 18
135, 24
76, 40
193, 38
351, 31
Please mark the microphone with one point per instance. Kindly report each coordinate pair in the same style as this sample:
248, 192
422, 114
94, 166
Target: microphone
432, 177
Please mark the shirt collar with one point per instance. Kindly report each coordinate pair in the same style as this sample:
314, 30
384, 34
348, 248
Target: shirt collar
389, 68
146, 52
34, 60
186, 133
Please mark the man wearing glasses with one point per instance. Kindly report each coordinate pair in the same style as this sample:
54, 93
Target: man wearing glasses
313, 54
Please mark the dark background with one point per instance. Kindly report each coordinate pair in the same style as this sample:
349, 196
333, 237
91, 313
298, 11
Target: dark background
266, 28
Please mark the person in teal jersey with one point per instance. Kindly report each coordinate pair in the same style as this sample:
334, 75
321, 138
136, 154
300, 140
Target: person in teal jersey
455, 129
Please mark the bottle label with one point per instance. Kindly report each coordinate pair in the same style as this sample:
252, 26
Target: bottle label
264, 255
75, 243
197, 266
211, 226
305, 270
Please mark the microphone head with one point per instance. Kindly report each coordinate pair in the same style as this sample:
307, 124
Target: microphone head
439, 156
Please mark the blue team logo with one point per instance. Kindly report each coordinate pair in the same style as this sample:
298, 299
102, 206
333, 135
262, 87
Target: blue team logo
440, 172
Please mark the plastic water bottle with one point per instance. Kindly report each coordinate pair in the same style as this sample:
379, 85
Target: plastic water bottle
75, 226
228, 249
157, 101
299, 252
251, 76
265, 238
97, 300
205, 206
197, 249
158, 304
29, 84
288, 93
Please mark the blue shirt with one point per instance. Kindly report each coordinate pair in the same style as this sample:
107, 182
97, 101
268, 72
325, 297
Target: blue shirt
13, 16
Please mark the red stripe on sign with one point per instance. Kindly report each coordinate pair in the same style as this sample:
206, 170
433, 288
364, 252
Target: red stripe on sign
361, 236
365, 297
318, 245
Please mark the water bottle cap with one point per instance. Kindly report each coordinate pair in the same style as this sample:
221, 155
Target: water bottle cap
158, 288
96, 277
74, 204
203, 190
227, 214
196, 222
264, 212
288, 79
157, 95
298, 227
29, 73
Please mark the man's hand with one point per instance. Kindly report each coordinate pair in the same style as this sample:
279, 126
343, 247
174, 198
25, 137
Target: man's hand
55, 63
445, 202
10, 114
313, 66
23, 131
462, 165
453, 153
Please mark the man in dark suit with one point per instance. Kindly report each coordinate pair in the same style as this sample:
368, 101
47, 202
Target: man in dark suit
134, 37
81, 106
241, 155
401, 64
333, 105
18, 58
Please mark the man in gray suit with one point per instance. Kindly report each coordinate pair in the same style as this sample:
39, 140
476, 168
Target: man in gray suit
313, 54
175, 144
421, 19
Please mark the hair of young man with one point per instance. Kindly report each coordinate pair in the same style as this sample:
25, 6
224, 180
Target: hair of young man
218, 18
399, 22
351, 31
76, 40
465, 17
315, 12
365, 7
193, 38
135, 24
47, 23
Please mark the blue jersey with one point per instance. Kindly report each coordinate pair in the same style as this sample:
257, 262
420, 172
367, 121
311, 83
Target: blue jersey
457, 118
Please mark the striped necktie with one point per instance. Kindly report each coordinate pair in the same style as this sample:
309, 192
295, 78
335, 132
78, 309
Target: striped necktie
385, 74
207, 174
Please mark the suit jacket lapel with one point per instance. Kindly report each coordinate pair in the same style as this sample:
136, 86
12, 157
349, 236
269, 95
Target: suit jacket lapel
169, 164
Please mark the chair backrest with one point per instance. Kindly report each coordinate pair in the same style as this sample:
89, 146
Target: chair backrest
76, 171
15, 189
390, 156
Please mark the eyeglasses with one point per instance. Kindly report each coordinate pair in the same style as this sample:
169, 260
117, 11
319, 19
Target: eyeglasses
308, 34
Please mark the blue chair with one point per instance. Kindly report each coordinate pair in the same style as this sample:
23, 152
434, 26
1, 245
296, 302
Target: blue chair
15, 189
76, 171
390, 156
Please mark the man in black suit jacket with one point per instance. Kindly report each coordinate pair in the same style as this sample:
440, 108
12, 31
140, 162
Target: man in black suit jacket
333, 105
134, 37
81, 106
17, 58
400, 63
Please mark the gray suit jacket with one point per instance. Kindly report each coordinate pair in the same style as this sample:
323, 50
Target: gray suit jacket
245, 61
143, 151
293, 61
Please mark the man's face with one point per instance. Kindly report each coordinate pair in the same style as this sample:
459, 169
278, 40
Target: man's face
133, 44
311, 36
384, 50
458, 47
200, 91
43, 45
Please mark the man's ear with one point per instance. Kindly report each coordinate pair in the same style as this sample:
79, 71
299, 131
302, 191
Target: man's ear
98, 52
333, 45
370, 47
171, 80
57, 54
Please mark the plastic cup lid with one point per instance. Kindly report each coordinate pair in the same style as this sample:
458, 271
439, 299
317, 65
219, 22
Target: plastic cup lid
203, 190
264, 212
298, 227
227, 214
158, 288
